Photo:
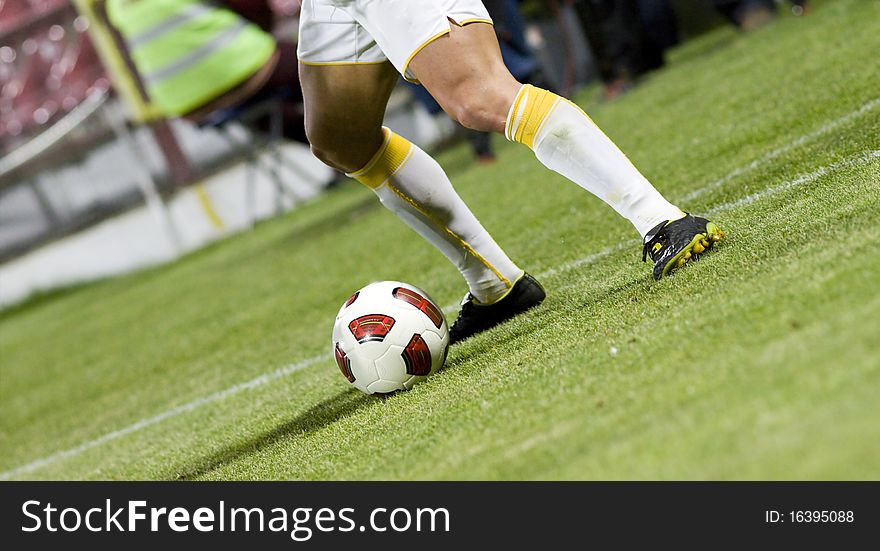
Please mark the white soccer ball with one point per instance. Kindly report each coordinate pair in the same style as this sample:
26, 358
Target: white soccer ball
388, 336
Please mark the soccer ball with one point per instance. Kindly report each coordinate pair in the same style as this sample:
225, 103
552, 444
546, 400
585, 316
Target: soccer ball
388, 336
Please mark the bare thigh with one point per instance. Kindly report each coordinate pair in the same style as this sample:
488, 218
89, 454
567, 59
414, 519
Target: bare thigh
466, 75
344, 109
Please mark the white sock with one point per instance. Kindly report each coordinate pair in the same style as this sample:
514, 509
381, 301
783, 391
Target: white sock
567, 141
413, 186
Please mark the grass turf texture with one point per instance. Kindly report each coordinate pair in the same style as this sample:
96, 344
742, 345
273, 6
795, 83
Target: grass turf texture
759, 361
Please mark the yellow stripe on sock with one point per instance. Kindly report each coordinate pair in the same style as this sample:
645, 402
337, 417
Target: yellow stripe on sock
539, 105
391, 157
464, 244
387, 161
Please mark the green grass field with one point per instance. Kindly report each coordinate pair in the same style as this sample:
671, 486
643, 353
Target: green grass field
760, 361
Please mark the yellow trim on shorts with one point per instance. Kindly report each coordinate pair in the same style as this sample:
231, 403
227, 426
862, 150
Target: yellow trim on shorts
464, 22
326, 63
432, 39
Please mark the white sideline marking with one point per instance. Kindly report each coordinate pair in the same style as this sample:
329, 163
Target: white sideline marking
764, 159
590, 258
149, 421
862, 158
851, 162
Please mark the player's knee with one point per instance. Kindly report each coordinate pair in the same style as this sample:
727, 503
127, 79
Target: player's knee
326, 156
479, 105
344, 156
330, 151
471, 113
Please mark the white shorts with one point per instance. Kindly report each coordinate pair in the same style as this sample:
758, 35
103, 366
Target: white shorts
344, 32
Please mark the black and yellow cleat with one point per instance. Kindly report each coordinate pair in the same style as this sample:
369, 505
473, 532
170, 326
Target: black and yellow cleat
474, 317
673, 243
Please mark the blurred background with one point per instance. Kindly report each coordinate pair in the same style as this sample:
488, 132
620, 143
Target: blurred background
108, 164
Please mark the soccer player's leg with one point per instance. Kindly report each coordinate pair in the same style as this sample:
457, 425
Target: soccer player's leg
478, 91
344, 107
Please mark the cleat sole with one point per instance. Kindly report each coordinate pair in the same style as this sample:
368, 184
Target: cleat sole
701, 243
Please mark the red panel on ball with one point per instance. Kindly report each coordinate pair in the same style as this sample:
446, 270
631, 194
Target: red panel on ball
344, 364
417, 356
351, 299
420, 302
372, 327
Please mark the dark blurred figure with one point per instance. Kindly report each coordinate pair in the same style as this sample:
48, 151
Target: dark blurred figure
510, 28
628, 38
752, 14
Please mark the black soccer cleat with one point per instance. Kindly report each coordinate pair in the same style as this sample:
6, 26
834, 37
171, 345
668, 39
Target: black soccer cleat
673, 243
475, 317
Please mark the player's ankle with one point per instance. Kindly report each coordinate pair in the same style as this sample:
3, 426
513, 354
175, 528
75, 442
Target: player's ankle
491, 291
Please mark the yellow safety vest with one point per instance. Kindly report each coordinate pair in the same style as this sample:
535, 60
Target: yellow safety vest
188, 52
